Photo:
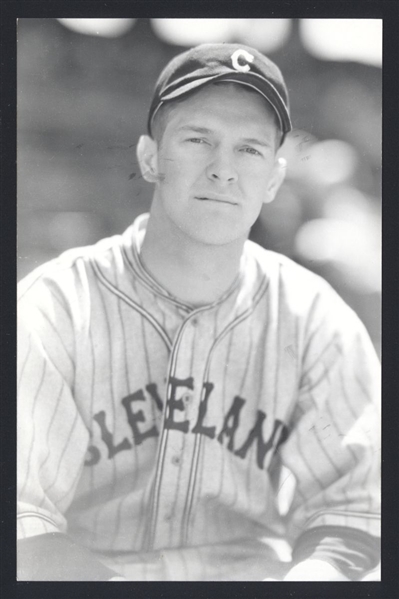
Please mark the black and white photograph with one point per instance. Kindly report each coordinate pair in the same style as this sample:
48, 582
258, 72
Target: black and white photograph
199, 299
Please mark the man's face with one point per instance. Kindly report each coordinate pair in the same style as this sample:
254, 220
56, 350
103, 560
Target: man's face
216, 164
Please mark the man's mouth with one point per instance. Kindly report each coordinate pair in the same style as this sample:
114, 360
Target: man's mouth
217, 199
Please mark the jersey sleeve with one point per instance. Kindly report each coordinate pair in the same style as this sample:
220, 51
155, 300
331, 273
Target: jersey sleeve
51, 435
333, 449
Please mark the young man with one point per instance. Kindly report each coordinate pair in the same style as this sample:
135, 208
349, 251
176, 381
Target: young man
168, 374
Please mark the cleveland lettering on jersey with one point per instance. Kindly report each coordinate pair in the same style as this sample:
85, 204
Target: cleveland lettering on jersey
225, 430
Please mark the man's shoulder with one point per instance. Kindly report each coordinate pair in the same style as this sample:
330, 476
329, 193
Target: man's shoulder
67, 269
304, 294
280, 268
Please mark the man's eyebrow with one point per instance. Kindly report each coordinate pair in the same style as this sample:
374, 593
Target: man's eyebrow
195, 128
258, 142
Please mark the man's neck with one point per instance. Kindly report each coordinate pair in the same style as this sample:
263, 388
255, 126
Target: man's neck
195, 273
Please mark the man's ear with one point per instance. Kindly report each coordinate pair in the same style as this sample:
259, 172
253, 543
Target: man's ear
277, 178
147, 155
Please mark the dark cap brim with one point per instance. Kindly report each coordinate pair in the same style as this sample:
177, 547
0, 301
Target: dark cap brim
254, 81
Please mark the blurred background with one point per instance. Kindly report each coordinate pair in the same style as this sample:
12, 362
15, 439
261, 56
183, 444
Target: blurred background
84, 88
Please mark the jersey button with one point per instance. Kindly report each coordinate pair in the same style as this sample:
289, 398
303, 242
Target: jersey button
176, 460
187, 397
194, 322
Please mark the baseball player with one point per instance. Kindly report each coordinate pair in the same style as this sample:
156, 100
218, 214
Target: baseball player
174, 379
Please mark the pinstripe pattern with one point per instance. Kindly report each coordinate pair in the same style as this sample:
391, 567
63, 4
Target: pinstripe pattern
118, 522
55, 332
223, 463
62, 454
108, 346
32, 441
197, 448
49, 428
163, 444
174, 410
143, 312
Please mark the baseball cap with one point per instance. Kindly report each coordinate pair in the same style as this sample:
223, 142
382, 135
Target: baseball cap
222, 62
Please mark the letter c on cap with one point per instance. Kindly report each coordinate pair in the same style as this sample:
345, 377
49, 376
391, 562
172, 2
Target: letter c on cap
234, 59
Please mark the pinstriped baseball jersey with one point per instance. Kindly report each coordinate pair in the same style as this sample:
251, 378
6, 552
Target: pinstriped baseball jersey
145, 425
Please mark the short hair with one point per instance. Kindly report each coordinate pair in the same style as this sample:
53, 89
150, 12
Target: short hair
160, 118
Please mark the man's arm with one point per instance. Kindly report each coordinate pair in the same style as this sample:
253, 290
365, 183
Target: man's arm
52, 443
333, 449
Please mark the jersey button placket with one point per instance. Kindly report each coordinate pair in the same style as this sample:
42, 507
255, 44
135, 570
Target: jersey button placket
178, 457
176, 460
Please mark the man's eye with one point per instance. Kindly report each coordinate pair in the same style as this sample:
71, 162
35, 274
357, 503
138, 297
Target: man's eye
196, 140
252, 151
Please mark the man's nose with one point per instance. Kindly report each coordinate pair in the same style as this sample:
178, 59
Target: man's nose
222, 167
